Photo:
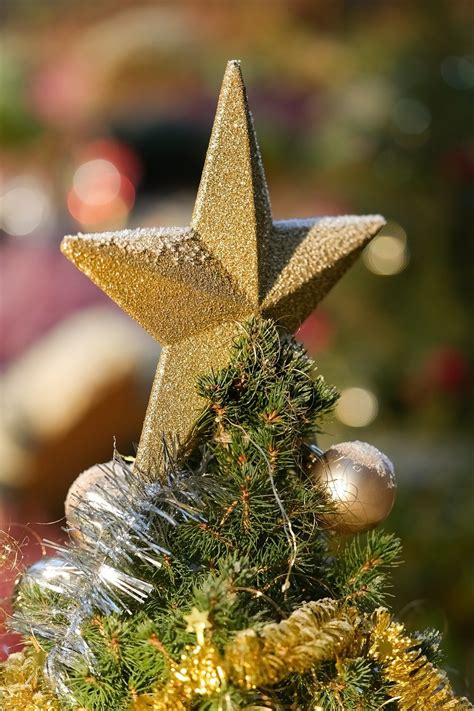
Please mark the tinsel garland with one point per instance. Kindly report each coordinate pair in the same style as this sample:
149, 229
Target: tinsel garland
415, 682
316, 632
22, 685
119, 528
313, 633
199, 673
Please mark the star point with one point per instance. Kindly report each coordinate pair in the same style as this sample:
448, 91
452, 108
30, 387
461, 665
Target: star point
232, 213
190, 287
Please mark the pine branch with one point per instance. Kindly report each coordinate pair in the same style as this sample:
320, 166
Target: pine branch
359, 572
349, 685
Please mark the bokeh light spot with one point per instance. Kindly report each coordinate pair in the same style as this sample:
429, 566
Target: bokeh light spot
24, 207
96, 182
411, 116
100, 195
387, 253
458, 72
357, 407
112, 214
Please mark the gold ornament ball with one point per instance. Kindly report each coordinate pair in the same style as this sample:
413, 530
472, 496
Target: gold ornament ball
360, 482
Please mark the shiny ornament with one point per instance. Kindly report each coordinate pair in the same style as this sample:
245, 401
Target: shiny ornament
89, 487
49, 574
360, 482
190, 287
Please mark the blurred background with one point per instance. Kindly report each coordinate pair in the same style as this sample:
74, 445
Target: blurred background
360, 107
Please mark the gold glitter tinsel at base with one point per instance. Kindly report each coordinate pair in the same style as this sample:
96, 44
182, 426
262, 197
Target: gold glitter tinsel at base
22, 685
416, 683
316, 632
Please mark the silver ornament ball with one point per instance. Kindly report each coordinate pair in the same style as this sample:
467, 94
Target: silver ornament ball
360, 482
51, 574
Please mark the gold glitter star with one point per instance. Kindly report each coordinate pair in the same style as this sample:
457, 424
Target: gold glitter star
191, 286
197, 622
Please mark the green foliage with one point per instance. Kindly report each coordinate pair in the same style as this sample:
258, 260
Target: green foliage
351, 685
359, 570
430, 644
129, 660
267, 390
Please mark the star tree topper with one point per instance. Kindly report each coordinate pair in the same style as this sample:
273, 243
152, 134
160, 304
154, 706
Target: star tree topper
190, 287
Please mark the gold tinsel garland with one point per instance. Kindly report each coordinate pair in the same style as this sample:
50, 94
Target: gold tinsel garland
22, 685
315, 632
199, 673
415, 682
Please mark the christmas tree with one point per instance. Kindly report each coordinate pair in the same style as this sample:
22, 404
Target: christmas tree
231, 564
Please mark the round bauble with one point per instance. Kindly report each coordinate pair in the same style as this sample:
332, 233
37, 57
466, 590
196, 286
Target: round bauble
48, 574
87, 487
360, 482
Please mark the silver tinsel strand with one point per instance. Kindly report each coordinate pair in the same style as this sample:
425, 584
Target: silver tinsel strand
122, 529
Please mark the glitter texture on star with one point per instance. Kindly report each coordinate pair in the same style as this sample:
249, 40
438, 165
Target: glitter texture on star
191, 287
